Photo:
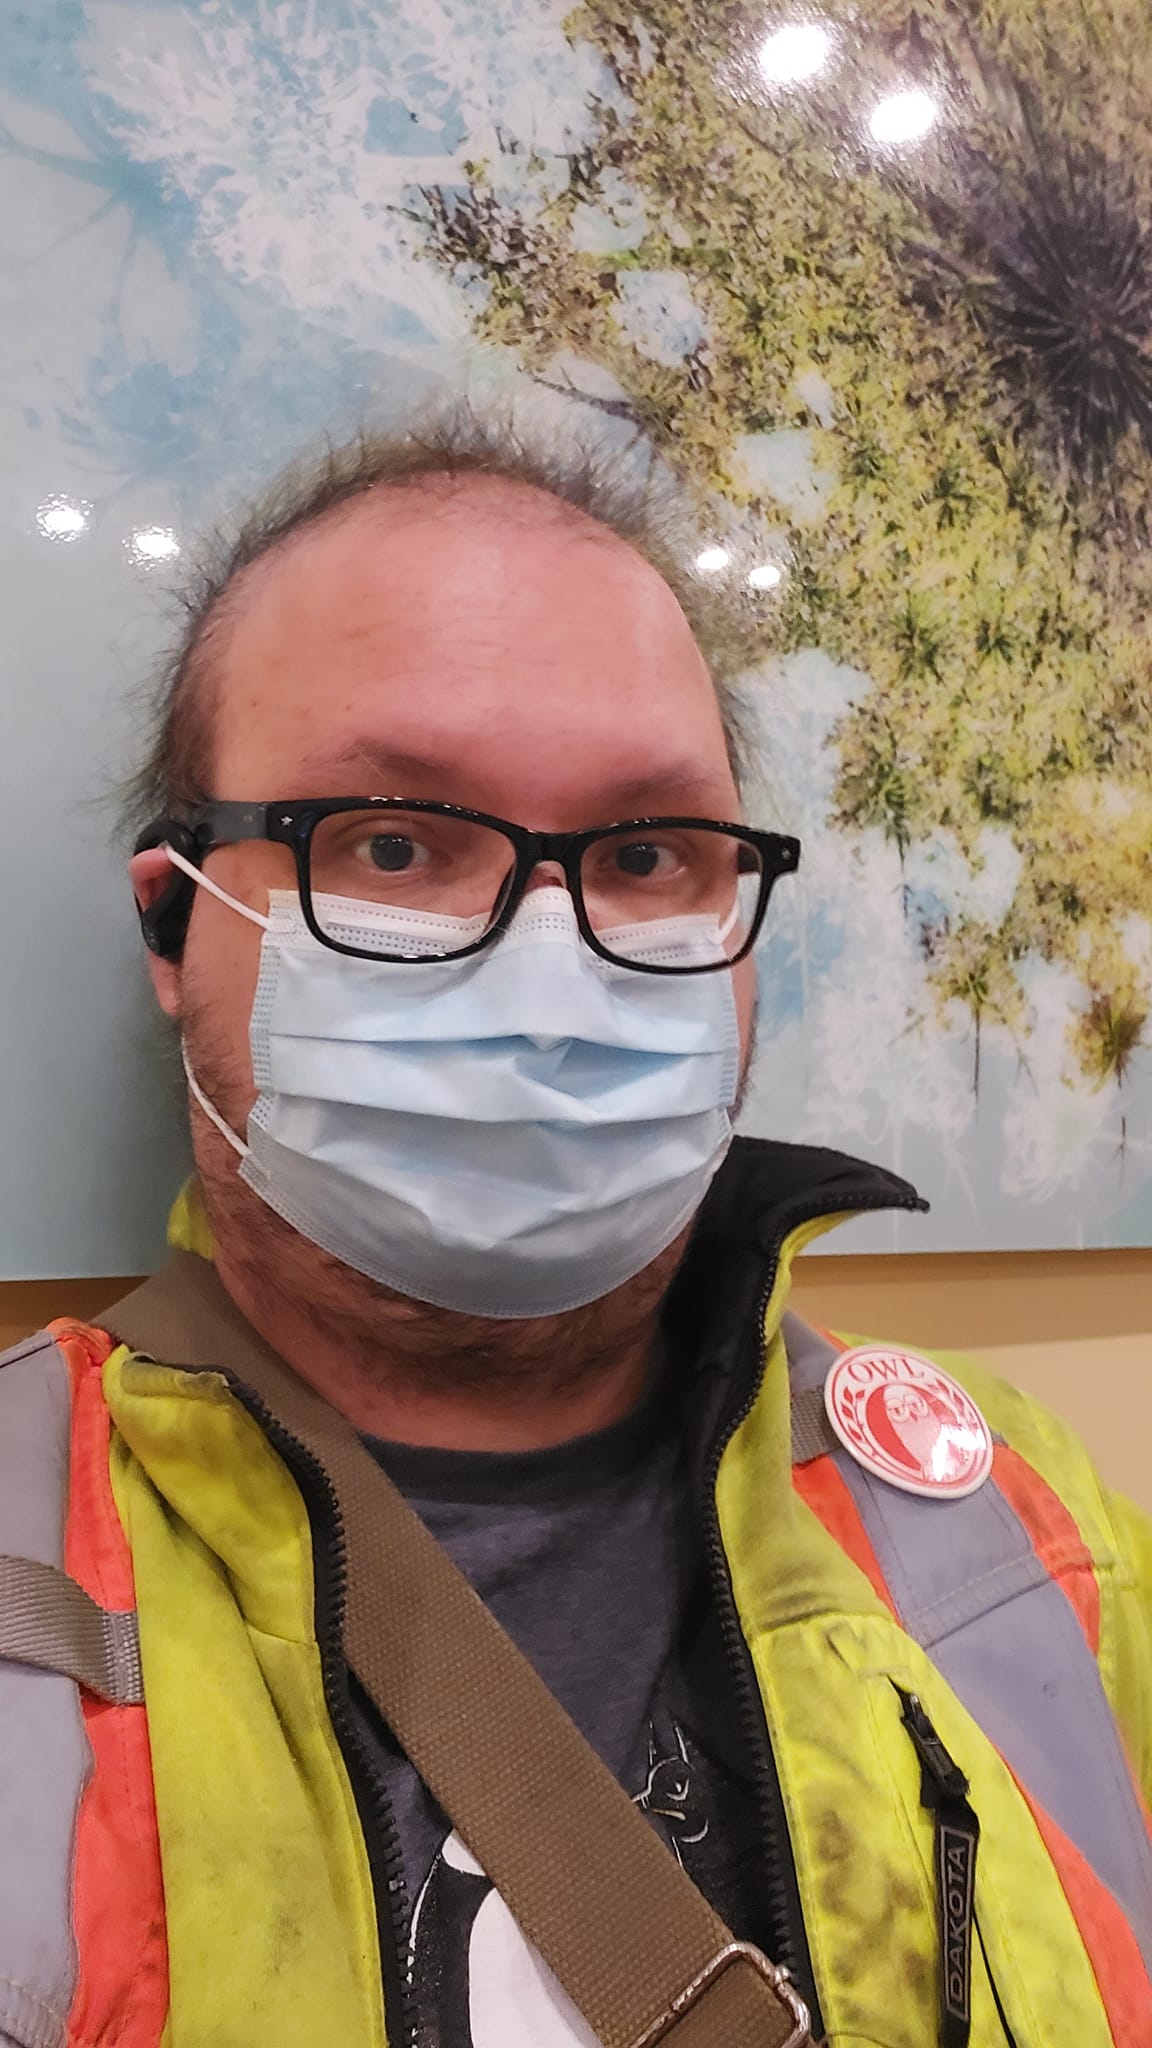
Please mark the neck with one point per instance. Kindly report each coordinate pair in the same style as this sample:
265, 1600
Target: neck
415, 1374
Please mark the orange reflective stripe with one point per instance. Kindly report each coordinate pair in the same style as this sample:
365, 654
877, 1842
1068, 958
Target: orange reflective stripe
1112, 1949
1054, 1535
1062, 1551
118, 1910
819, 1484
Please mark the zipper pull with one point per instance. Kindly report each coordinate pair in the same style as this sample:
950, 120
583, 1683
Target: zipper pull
943, 1774
944, 1792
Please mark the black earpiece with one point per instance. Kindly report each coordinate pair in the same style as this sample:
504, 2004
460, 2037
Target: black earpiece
165, 921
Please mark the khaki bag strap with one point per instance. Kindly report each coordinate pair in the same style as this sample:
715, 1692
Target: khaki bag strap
47, 1619
635, 1945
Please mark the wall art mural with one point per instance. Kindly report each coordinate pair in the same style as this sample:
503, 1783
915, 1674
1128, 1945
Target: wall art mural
874, 282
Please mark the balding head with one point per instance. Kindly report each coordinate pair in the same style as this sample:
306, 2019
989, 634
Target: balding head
469, 639
617, 496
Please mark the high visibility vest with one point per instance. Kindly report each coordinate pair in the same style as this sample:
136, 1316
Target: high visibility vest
191, 1869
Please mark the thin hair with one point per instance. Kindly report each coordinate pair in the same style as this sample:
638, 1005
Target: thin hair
623, 491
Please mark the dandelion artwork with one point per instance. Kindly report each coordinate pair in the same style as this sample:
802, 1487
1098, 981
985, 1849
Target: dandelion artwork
874, 284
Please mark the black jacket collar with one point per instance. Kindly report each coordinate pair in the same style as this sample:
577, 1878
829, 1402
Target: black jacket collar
764, 1187
763, 1192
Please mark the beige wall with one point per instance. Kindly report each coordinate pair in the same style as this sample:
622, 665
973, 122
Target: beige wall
1074, 1328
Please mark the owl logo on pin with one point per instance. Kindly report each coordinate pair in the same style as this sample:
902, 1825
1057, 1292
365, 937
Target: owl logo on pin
903, 1419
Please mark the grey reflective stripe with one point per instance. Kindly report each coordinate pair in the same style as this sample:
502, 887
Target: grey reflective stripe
810, 1356
44, 1755
969, 1587
48, 1620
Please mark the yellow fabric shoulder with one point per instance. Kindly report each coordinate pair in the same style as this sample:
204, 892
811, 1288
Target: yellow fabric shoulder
188, 1227
270, 1908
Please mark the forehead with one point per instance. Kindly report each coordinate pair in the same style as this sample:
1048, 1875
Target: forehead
480, 628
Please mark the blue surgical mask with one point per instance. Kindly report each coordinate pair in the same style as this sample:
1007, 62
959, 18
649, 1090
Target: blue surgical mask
512, 1134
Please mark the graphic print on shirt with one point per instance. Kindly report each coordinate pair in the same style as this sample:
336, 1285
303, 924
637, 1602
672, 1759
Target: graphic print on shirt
476, 1981
669, 1795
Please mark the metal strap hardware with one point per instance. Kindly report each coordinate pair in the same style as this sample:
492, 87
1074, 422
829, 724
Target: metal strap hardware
693, 1992
48, 1620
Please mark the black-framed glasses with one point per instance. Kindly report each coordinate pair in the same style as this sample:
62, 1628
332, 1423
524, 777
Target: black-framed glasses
386, 878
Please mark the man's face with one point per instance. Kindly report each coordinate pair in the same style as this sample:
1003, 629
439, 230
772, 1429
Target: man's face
470, 645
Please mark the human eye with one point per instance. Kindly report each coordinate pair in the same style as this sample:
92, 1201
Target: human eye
393, 853
648, 857
354, 853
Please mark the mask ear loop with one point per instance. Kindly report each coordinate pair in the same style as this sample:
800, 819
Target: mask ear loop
209, 1108
254, 917
203, 881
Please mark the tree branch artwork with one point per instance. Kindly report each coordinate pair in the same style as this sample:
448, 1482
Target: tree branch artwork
923, 385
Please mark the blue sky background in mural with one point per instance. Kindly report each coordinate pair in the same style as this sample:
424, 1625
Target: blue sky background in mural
207, 256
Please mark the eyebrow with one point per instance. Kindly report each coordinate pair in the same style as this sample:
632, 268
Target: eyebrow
382, 763
684, 784
679, 781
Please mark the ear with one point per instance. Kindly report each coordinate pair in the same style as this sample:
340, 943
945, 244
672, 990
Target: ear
151, 874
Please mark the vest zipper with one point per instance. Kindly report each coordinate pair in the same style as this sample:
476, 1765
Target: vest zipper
378, 1822
788, 1943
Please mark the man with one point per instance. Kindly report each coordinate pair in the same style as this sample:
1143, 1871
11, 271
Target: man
447, 889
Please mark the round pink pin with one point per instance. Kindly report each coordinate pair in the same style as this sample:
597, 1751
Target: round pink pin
903, 1419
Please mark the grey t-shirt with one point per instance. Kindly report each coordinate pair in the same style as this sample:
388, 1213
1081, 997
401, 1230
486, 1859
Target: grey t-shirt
586, 1555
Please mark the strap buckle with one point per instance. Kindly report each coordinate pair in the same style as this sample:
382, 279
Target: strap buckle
734, 1952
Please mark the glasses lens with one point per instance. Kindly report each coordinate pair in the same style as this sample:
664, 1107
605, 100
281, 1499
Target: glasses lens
672, 896
407, 882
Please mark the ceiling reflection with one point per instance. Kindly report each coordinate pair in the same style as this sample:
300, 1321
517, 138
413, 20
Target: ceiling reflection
795, 52
903, 117
710, 561
63, 519
149, 544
